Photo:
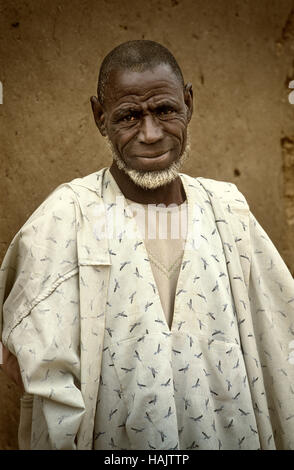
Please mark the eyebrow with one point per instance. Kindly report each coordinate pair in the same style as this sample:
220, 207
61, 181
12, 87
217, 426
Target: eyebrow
121, 112
165, 102
124, 111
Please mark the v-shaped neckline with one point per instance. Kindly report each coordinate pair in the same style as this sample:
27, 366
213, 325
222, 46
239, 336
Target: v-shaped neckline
179, 285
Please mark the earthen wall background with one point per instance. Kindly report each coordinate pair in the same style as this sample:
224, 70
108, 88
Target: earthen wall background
239, 56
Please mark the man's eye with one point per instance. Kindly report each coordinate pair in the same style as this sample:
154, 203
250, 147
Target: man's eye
164, 111
129, 118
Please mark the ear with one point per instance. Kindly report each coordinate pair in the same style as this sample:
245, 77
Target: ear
188, 98
99, 115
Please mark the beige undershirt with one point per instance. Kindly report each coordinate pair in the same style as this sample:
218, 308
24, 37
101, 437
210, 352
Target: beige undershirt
164, 236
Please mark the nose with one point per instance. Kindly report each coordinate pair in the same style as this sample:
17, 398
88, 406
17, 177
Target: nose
150, 131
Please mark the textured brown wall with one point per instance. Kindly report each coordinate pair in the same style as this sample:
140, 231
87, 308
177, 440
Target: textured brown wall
239, 55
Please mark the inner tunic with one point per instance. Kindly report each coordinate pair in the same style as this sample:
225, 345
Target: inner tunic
165, 381
163, 230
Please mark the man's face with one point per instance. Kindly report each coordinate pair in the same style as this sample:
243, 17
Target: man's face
145, 117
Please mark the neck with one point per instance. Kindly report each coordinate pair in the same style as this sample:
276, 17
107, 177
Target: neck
172, 193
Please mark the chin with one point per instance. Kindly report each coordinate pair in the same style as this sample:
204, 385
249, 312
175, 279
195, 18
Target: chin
151, 179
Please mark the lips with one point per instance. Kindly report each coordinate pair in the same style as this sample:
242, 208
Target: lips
152, 155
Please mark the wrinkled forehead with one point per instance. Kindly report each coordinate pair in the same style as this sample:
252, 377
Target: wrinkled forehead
124, 84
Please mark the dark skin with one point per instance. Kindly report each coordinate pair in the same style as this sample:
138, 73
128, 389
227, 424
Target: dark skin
146, 115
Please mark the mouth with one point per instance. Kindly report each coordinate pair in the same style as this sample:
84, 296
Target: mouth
153, 156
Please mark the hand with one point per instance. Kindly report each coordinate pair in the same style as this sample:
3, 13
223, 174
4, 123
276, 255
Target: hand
10, 367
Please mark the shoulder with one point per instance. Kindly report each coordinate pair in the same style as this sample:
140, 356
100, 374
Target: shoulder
61, 203
41, 255
223, 191
92, 182
60, 199
47, 250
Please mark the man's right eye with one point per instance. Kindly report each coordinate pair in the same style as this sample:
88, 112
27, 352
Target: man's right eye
129, 118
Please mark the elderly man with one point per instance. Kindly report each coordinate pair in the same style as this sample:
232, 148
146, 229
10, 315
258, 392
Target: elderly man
167, 330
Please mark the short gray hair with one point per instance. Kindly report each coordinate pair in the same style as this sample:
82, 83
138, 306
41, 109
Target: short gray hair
137, 55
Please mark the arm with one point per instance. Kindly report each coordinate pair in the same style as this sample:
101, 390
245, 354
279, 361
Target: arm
46, 343
41, 260
271, 292
271, 286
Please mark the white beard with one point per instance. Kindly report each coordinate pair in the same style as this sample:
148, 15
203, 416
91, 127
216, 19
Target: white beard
151, 179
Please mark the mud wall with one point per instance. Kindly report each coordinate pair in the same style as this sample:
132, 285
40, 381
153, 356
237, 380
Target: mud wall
239, 56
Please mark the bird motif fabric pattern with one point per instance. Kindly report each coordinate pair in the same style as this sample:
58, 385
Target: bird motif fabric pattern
83, 316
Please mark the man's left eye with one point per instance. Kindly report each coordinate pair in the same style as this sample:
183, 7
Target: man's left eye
165, 111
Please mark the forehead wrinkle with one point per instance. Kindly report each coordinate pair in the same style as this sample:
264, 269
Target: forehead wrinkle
139, 86
156, 94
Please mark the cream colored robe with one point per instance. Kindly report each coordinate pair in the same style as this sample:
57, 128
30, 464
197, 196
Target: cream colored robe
54, 287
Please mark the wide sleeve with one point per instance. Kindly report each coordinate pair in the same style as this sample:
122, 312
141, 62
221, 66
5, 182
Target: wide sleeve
42, 254
39, 299
271, 288
271, 294
47, 345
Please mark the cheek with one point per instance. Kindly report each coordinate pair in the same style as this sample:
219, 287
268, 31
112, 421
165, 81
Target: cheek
120, 137
176, 129
123, 138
